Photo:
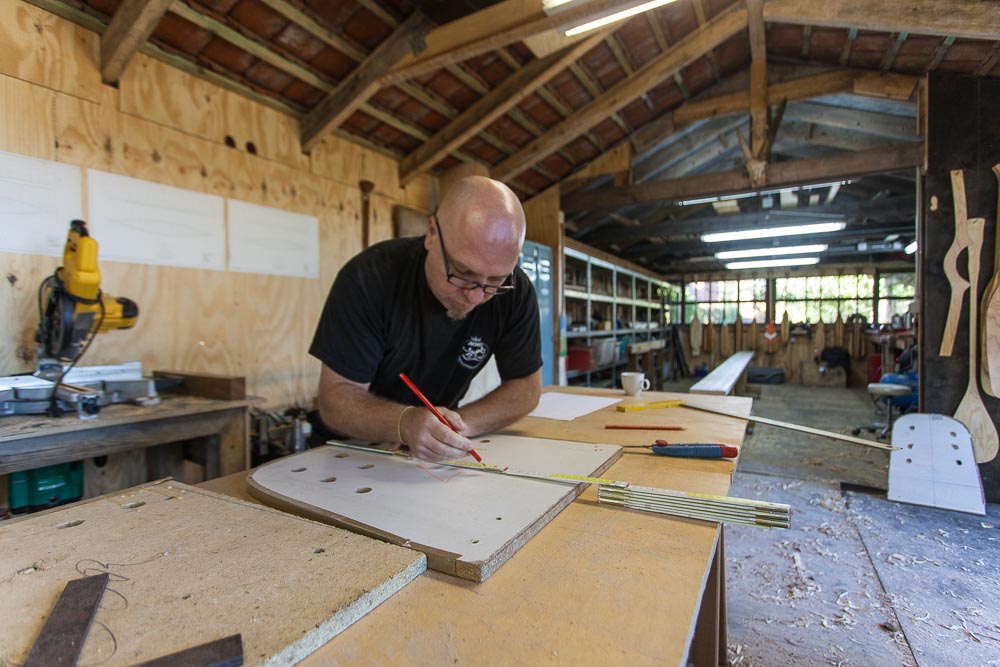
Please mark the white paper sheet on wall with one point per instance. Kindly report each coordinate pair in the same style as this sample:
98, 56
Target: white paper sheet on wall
38, 199
148, 223
268, 240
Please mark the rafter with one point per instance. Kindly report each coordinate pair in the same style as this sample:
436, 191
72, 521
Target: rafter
490, 107
130, 27
782, 174
725, 25
362, 82
970, 19
869, 122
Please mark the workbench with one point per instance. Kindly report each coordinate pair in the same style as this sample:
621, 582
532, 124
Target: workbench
34, 441
597, 585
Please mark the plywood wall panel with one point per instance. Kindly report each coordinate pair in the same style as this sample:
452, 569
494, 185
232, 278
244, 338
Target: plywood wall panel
29, 135
338, 159
154, 91
42, 48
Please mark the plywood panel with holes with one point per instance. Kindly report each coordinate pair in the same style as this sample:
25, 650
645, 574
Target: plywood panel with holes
170, 588
338, 159
41, 48
157, 92
467, 522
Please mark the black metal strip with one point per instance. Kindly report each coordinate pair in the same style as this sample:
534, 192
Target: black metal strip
62, 637
225, 652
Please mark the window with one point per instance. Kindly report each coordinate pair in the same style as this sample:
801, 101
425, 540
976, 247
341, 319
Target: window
809, 299
895, 292
722, 300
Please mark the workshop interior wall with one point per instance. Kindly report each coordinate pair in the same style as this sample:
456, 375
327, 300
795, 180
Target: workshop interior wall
165, 126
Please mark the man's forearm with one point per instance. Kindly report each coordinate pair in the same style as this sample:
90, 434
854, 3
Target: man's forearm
504, 405
356, 413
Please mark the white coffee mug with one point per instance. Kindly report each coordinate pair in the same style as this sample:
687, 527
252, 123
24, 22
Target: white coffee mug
634, 383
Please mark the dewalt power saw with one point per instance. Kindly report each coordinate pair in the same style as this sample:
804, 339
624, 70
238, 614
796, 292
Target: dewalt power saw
72, 308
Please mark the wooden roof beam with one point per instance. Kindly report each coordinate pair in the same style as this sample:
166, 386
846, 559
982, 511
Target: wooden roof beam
130, 27
363, 82
728, 23
508, 94
968, 19
781, 174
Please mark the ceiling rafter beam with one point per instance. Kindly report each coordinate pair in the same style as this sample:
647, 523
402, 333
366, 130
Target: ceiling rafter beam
890, 55
363, 82
130, 27
939, 53
968, 19
728, 23
699, 12
782, 174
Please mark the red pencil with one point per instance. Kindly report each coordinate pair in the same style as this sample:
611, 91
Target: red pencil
643, 427
423, 399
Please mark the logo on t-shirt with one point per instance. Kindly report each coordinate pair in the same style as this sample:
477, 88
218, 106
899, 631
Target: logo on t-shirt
474, 352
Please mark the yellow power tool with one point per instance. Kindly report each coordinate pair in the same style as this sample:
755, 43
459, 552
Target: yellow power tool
72, 307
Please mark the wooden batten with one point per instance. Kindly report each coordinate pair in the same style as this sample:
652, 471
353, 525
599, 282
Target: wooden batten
169, 127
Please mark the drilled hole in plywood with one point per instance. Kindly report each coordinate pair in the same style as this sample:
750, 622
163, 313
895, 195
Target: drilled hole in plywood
132, 506
954, 446
340, 456
499, 518
913, 428
363, 489
910, 446
329, 479
959, 462
69, 524
298, 469
367, 466
475, 541
952, 434
909, 460
484, 442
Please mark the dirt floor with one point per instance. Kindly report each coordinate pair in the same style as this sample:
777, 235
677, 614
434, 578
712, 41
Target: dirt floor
858, 580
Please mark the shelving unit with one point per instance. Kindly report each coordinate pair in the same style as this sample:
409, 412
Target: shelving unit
607, 306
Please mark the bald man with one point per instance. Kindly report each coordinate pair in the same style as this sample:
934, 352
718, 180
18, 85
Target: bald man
434, 308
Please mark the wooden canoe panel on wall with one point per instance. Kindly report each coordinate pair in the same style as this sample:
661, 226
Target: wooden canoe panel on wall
467, 522
189, 566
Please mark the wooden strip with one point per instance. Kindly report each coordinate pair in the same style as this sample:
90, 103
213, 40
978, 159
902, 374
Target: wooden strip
990, 328
61, 639
956, 282
225, 652
130, 27
796, 427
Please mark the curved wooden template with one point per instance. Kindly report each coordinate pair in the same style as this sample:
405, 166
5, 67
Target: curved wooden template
754, 336
838, 331
950, 264
725, 340
786, 329
819, 338
739, 343
989, 334
695, 335
971, 411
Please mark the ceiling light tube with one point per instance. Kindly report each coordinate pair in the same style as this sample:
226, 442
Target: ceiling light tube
791, 230
911, 248
770, 263
617, 16
772, 252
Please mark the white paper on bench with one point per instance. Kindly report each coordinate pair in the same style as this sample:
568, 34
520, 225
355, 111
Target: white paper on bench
567, 407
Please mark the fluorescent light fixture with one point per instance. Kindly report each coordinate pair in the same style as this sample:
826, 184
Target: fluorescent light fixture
764, 193
770, 263
911, 248
791, 230
772, 252
617, 16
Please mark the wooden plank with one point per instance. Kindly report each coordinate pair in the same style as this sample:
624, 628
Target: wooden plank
491, 106
207, 385
363, 81
130, 27
726, 24
856, 120
780, 174
969, 19
65, 631
161, 543
720, 382
488, 517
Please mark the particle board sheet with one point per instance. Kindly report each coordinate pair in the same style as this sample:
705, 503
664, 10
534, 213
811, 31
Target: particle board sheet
467, 522
188, 566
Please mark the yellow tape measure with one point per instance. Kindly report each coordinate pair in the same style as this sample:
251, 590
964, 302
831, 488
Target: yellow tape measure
635, 407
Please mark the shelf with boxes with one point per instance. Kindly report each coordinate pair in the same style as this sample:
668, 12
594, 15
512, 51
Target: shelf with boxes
606, 307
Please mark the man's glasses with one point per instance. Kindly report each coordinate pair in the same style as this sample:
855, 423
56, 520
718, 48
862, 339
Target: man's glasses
466, 284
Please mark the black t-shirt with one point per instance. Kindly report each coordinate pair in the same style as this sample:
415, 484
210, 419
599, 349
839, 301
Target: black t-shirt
381, 319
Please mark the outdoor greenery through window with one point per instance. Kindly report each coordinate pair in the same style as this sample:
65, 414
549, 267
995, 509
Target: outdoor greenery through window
809, 299
806, 298
721, 300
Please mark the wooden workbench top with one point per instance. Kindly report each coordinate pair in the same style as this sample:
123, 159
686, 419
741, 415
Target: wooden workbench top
597, 584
